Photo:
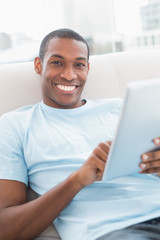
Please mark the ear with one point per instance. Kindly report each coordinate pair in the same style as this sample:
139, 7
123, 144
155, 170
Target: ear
88, 67
38, 65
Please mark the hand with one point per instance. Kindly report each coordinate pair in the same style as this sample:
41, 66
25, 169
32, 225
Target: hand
93, 168
151, 160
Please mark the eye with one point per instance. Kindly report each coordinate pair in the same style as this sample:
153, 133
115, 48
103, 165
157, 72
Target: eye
80, 65
56, 63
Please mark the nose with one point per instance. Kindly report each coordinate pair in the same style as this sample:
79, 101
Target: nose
69, 74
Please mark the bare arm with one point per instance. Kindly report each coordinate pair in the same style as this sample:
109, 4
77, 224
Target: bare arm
20, 220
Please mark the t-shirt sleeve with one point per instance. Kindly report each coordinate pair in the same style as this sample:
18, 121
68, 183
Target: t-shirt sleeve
12, 162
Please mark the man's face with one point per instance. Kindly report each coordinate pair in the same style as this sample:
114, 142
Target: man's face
63, 72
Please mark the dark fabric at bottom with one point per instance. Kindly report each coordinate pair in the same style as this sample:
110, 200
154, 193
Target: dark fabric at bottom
149, 230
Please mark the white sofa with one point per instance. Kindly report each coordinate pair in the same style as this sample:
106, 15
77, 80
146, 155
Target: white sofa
109, 74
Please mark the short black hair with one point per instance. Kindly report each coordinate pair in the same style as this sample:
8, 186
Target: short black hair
60, 33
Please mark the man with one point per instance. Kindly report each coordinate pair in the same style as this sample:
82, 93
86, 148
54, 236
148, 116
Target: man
59, 147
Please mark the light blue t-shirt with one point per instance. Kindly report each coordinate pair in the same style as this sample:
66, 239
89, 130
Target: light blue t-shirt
41, 146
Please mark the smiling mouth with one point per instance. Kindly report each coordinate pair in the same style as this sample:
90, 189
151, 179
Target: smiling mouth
66, 88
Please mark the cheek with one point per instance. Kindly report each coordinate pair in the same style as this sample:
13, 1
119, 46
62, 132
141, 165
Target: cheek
50, 72
48, 77
84, 78
83, 75
46, 82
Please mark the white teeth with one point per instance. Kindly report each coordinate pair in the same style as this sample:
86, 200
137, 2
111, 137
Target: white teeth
66, 88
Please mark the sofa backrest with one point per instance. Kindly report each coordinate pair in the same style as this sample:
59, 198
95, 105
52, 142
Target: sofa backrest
108, 76
110, 73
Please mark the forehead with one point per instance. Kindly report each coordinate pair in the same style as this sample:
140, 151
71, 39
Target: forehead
67, 47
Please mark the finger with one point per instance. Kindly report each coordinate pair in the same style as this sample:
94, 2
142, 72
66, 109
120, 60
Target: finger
150, 165
102, 150
105, 146
151, 156
156, 141
151, 170
109, 142
100, 153
98, 164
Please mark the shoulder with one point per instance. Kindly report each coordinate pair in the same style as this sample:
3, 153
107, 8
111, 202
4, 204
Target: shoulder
109, 104
18, 117
114, 101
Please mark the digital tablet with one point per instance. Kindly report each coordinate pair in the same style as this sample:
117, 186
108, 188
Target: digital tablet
138, 125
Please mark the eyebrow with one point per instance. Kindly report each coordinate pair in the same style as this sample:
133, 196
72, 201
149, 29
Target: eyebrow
60, 56
81, 58
57, 55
